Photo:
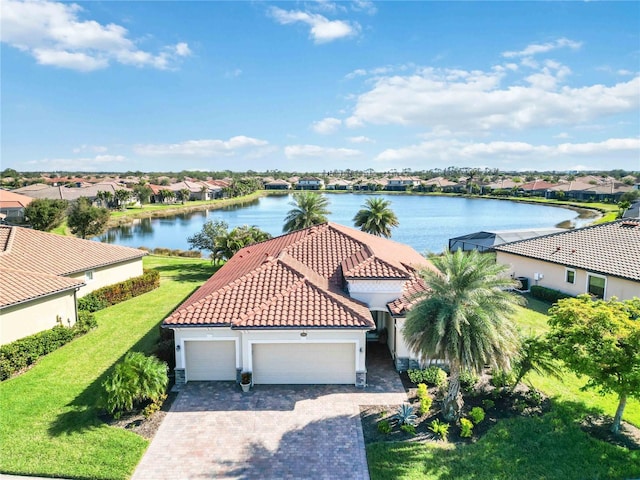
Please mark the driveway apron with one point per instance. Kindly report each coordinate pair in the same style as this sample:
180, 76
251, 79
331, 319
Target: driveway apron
213, 430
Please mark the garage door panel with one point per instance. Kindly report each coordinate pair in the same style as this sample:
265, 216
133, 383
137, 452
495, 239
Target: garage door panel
307, 363
207, 360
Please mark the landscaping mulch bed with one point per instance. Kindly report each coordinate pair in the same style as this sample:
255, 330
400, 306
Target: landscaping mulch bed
137, 423
506, 405
599, 426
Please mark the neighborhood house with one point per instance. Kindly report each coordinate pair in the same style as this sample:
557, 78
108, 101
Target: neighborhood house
602, 260
42, 275
299, 309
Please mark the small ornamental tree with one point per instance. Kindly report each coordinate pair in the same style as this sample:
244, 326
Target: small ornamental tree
85, 220
45, 214
600, 339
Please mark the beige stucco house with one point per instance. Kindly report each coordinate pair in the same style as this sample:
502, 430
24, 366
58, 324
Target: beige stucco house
42, 275
298, 309
602, 260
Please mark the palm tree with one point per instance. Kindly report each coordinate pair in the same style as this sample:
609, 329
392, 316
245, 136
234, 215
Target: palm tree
184, 194
536, 356
464, 318
310, 209
376, 217
122, 196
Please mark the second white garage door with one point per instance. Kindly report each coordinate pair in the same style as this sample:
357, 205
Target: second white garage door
210, 360
304, 363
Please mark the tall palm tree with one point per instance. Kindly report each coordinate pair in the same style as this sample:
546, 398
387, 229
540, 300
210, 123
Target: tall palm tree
376, 217
310, 209
464, 317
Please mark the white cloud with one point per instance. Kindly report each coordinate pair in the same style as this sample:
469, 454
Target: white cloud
327, 125
297, 152
361, 139
233, 73
53, 34
364, 6
525, 155
537, 48
90, 148
322, 30
201, 148
476, 100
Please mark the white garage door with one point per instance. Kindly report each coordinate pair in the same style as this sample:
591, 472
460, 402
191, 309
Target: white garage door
210, 360
304, 363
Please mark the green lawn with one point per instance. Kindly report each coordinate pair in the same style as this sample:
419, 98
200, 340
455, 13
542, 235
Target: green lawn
49, 422
549, 447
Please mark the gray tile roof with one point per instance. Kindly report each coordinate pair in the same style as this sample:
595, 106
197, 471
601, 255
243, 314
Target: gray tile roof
610, 248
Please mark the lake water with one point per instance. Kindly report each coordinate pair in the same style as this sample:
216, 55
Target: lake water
426, 222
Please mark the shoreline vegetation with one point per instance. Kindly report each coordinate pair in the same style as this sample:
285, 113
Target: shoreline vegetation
600, 212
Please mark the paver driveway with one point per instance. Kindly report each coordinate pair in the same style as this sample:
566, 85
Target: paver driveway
274, 432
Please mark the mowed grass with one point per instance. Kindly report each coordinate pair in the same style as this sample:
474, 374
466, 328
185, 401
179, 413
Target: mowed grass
549, 447
49, 421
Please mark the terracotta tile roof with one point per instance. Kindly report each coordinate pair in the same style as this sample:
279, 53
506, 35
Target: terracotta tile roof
13, 200
296, 280
410, 295
17, 286
610, 248
35, 251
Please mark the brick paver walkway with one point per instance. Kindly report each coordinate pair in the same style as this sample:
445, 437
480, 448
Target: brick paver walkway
274, 432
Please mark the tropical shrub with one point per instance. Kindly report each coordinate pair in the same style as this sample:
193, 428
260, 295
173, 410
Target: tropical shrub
548, 294
488, 404
468, 380
154, 406
119, 292
477, 415
425, 404
136, 379
440, 429
431, 376
466, 428
422, 390
407, 428
405, 415
384, 426
502, 379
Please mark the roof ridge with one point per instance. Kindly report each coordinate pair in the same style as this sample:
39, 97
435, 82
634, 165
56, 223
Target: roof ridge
335, 296
8, 246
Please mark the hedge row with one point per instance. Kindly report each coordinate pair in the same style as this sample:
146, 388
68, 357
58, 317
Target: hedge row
548, 294
106, 296
173, 252
18, 355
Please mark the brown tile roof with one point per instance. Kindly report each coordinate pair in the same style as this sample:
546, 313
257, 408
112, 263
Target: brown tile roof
410, 295
296, 280
35, 251
610, 248
17, 286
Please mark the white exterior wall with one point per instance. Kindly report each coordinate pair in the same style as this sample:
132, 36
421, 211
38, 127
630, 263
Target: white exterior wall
554, 276
27, 318
245, 339
109, 275
375, 293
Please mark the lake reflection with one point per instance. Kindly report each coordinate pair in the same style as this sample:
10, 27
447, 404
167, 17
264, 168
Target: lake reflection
426, 222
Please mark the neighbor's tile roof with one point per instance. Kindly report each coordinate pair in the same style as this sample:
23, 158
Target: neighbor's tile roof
13, 200
296, 280
610, 248
18, 286
35, 251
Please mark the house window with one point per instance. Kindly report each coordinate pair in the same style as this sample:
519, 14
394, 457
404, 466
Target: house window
571, 276
596, 285
88, 276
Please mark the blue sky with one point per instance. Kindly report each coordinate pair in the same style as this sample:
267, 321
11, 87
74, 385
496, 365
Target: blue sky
313, 86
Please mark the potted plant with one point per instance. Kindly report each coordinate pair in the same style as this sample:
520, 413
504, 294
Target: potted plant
245, 381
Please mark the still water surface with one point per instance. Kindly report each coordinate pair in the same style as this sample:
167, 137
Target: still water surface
426, 222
